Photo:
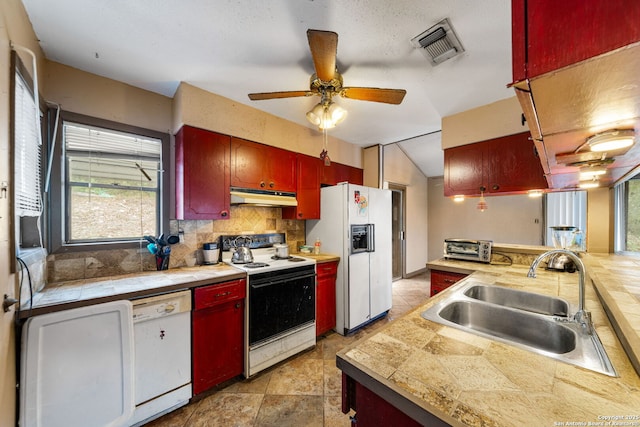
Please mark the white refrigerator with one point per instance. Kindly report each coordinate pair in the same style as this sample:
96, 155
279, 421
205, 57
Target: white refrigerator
355, 224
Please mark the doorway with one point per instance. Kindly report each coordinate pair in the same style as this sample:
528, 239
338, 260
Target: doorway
397, 229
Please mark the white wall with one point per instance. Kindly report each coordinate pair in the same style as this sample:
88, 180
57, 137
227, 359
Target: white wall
399, 169
508, 219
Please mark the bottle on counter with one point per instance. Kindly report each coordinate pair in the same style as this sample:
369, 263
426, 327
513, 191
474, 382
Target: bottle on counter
316, 246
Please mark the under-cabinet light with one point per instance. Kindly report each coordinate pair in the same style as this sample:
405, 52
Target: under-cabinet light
458, 198
611, 140
590, 172
535, 193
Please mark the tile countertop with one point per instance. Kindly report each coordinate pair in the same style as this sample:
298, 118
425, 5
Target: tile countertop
78, 293
424, 367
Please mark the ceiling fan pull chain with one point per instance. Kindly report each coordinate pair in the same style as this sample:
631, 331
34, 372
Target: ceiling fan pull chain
324, 155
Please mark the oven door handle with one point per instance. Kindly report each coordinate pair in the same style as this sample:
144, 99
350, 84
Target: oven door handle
278, 281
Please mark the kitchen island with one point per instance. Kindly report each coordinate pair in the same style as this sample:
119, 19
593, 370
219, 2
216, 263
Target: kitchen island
427, 370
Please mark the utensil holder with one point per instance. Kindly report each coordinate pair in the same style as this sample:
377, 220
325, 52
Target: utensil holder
162, 262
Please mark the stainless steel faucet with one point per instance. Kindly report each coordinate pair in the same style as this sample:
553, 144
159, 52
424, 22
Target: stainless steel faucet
582, 316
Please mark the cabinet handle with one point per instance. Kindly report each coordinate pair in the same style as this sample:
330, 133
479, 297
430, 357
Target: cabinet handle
271, 185
300, 214
238, 305
483, 189
495, 186
224, 214
224, 294
451, 281
262, 184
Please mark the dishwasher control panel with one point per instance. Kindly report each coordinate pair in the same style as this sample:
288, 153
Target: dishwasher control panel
161, 305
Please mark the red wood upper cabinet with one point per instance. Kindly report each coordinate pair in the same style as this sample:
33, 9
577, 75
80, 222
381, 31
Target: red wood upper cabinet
308, 172
503, 165
262, 167
550, 34
202, 174
337, 172
464, 171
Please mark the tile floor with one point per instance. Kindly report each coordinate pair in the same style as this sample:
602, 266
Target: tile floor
301, 391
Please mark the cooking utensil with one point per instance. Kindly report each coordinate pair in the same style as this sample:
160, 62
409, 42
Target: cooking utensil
242, 255
282, 250
150, 239
153, 249
172, 239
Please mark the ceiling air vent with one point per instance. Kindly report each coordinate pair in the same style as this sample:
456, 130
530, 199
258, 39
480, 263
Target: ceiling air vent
438, 43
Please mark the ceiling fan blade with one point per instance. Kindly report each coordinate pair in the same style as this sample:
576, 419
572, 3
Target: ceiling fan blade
275, 95
324, 47
374, 94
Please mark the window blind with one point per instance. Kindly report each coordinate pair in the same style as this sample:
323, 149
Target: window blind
28, 152
85, 138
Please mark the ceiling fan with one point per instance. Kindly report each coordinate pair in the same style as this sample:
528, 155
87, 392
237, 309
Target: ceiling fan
326, 82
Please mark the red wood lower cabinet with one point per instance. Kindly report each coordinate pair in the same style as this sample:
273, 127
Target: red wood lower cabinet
326, 296
371, 409
441, 280
218, 333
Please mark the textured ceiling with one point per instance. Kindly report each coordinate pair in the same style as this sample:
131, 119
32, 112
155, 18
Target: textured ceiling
235, 47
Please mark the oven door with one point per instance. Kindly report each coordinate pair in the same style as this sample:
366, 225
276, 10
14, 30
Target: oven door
280, 301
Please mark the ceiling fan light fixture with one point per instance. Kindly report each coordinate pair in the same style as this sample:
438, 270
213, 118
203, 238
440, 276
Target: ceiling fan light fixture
336, 113
316, 114
326, 115
611, 140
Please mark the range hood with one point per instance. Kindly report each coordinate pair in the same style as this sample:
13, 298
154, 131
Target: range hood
248, 196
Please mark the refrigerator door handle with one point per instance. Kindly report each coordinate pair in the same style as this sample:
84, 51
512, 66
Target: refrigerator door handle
371, 246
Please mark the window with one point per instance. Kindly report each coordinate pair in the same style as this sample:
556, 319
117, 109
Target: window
565, 208
111, 184
27, 158
627, 215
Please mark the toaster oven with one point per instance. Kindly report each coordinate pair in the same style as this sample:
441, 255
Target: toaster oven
468, 250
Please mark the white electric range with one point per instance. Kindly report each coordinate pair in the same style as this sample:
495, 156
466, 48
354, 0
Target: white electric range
281, 292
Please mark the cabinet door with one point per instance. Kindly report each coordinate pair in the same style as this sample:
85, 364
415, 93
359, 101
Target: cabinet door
262, 167
337, 172
441, 280
307, 189
326, 297
218, 339
464, 170
373, 410
202, 174
549, 34
513, 164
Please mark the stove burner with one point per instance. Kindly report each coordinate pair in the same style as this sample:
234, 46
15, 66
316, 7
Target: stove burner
281, 257
256, 264
292, 259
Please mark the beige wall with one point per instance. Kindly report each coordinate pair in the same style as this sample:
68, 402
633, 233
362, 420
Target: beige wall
92, 95
371, 165
199, 108
479, 124
15, 28
509, 219
599, 220
399, 169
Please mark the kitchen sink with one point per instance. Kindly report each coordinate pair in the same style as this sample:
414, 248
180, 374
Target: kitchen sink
511, 325
527, 301
526, 320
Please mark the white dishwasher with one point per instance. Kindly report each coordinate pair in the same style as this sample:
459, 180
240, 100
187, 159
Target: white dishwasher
162, 342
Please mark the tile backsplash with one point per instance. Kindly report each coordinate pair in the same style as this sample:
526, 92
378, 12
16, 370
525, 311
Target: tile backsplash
193, 233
